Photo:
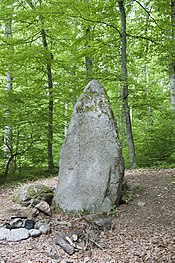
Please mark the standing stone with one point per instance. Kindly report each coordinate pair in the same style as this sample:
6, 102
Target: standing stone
91, 166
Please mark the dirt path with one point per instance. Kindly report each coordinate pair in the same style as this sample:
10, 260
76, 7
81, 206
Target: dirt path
143, 230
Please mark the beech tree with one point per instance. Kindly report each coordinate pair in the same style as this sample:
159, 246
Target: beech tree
8, 129
54, 46
172, 68
125, 94
48, 58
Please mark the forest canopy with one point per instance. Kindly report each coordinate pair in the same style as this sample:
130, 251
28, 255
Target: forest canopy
50, 50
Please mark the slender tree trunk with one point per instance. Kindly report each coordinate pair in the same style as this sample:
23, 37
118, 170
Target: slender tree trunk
148, 94
126, 109
88, 61
8, 129
172, 86
65, 114
172, 68
50, 107
49, 58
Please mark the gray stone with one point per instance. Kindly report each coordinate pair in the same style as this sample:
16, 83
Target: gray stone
16, 223
43, 206
45, 229
64, 223
141, 204
35, 232
23, 212
32, 194
4, 233
18, 234
91, 166
38, 224
101, 221
29, 223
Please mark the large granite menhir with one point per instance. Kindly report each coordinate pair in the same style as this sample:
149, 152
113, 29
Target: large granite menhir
91, 166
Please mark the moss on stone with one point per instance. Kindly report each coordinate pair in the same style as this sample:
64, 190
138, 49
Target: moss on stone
31, 191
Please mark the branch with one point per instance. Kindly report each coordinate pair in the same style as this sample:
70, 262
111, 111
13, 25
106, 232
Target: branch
148, 14
19, 42
96, 21
145, 38
110, 25
12, 157
30, 4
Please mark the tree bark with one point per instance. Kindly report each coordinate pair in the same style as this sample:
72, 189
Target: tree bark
88, 61
8, 129
172, 86
172, 67
125, 94
49, 58
50, 106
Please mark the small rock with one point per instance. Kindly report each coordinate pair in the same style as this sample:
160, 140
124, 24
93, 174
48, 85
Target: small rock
18, 213
38, 224
100, 221
16, 223
32, 193
86, 259
104, 222
4, 233
45, 229
34, 212
74, 237
7, 225
43, 206
29, 224
66, 261
64, 223
141, 204
18, 234
35, 232
23, 213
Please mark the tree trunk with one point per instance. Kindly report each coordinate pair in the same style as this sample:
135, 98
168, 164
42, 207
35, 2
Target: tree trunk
172, 86
172, 68
148, 94
49, 58
88, 61
65, 114
50, 107
126, 109
8, 128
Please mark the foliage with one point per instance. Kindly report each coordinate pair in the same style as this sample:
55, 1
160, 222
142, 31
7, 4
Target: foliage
129, 192
127, 195
149, 46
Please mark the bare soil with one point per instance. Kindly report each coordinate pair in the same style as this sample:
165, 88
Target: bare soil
143, 230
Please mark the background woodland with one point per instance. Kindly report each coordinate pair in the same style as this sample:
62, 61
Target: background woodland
49, 50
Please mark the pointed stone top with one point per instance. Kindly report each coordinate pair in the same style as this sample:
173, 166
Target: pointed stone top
94, 100
95, 87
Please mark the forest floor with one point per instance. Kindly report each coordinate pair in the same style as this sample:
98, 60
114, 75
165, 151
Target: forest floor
143, 230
